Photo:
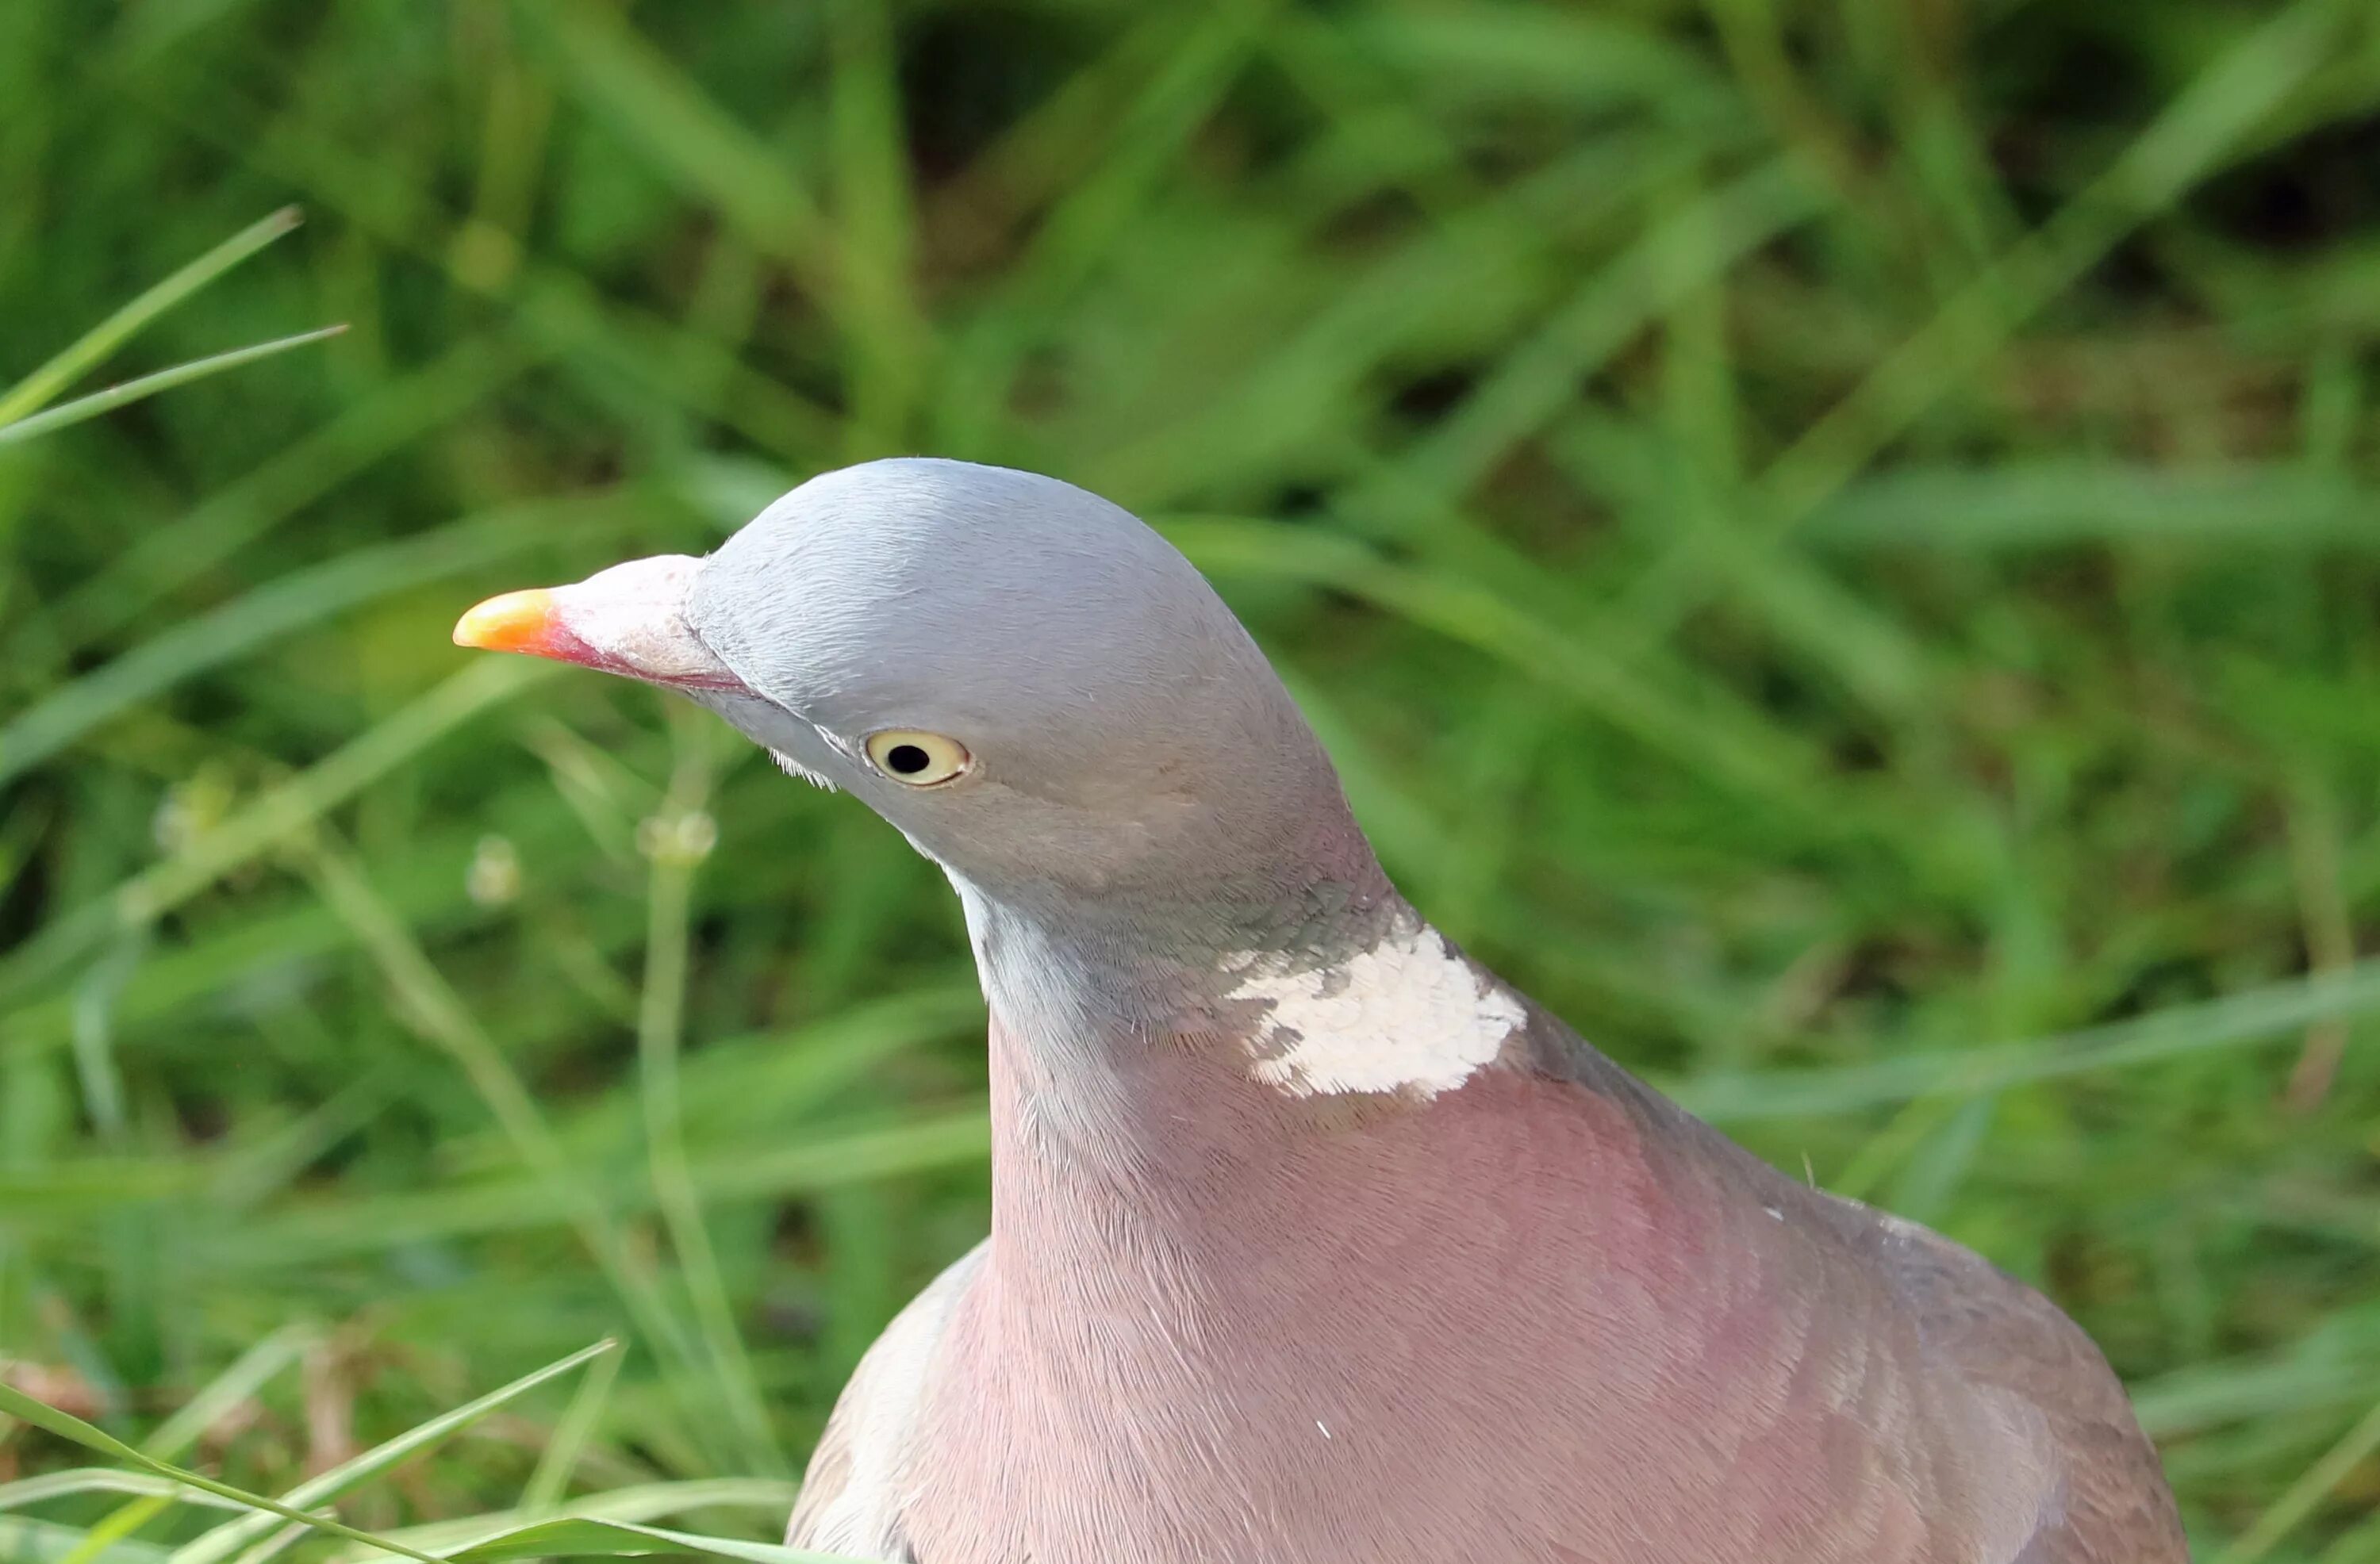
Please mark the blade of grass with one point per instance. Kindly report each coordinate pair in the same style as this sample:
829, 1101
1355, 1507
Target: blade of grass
857, 268
234, 516
616, 71
442, 1017
94, 1047
2185, 143
677, 840
2257, 1015
219, 1396
129, 392
550, 1480
101, 1480
1540, 376
372, 1223
556, 310
1340, 359
274, 818
2063, 502
226, 1392
285, 811
219, 1542
607, 1539
119, 1524
292, 602
638, 1503
24, 1541
16, 1403
1476, 616
1209, 51
35, 391
796, 1068
2360, 1546
889, 336
2286, 1513
2338, 1366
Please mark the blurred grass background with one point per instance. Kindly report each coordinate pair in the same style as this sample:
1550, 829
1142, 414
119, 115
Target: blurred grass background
1834, 543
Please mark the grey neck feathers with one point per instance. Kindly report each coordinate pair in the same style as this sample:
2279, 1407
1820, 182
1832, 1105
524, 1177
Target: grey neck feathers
1091, 993
1147, 966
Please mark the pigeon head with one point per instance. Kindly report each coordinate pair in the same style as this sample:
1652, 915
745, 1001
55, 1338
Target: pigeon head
1030, 684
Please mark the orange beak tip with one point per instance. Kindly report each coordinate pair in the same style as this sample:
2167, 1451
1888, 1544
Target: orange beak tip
512, 622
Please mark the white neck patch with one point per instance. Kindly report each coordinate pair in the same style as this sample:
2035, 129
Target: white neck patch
1407, 1016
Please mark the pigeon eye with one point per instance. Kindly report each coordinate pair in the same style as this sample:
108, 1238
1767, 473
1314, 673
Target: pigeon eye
918, 760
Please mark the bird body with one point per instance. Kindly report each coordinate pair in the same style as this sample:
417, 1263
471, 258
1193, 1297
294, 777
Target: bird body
1538, 1314
1312, 1241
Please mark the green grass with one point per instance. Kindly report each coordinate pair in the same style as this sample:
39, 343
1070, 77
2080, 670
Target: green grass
1836, 545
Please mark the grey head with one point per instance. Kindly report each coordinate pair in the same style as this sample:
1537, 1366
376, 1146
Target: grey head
1034, 687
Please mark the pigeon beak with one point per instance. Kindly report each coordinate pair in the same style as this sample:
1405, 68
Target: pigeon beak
629, 620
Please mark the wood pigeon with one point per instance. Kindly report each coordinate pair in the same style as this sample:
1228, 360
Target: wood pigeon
1313, 1241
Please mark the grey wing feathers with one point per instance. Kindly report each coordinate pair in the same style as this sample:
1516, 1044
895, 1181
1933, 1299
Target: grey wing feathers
850, 1501
1990, 1328
2116, 1507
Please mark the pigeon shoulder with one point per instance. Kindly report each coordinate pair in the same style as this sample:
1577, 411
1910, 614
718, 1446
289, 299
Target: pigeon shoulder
2006, 1339
1977, 1325
850, 1501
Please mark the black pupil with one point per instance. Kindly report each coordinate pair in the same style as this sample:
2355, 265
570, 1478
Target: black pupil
907, 759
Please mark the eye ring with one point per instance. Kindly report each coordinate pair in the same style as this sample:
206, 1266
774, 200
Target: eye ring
914, 758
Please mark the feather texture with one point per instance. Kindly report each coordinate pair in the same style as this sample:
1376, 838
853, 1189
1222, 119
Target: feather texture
1544, 1315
